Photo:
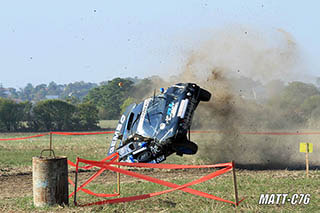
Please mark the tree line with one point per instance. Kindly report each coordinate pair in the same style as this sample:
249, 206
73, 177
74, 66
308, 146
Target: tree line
288, 104
76, 91
47, 115
71, 112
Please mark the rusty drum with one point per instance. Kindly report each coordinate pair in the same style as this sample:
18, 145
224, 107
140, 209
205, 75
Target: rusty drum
50, 181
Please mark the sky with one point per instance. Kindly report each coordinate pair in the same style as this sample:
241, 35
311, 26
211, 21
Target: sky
95, 41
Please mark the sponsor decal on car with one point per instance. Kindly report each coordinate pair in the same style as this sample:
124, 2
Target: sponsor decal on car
183, 108
160, 159
179, 86
116, 134
143, 115
172, 110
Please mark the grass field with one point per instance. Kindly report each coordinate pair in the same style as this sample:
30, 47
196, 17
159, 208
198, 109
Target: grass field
108, 124
16, 158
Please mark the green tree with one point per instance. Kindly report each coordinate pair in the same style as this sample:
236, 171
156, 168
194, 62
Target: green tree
27, 92
86, 117
13, 93
2, 126
73, 100
53, 88
296, 92
126, 103
109, 97
290, 101
2, 92
309, 105
40, 92
11, 114
54, 115
77, 89
28, 117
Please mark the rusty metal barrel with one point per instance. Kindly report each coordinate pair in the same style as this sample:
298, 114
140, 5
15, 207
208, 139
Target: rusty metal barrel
50, 181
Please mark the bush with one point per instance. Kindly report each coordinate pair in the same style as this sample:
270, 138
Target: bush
54, 115
86, 117
10, 114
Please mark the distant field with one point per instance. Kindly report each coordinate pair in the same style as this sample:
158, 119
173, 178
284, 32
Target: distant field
108, 124
16, 159
20, 153
15, 154
245, 149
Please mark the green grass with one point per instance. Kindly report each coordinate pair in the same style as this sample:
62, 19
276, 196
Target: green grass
18, 155
108, 124
251, 185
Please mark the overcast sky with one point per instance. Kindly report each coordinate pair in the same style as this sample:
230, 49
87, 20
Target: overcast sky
94, 41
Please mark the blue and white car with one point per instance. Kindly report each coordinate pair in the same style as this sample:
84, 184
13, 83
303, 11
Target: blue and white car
158, 126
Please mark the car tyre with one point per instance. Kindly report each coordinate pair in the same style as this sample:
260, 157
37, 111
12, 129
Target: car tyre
144, 157
188, 148
204, 95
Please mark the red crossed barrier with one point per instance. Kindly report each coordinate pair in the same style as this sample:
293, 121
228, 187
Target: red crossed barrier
108, 166
112, 158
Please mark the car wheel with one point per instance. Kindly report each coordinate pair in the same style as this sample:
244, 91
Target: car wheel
144, 157
204, 95
188, 148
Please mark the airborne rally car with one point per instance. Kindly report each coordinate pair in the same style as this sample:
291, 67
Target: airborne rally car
158, 126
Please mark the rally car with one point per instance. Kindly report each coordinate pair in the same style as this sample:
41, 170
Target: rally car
158, 126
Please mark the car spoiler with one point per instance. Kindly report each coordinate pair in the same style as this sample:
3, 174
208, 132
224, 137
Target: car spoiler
119, 131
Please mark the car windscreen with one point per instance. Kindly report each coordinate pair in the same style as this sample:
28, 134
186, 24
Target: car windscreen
175, 91
154, 115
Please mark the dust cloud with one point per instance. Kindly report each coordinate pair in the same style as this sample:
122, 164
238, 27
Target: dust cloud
243, 53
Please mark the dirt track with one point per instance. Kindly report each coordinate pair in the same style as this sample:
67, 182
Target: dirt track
18, 183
